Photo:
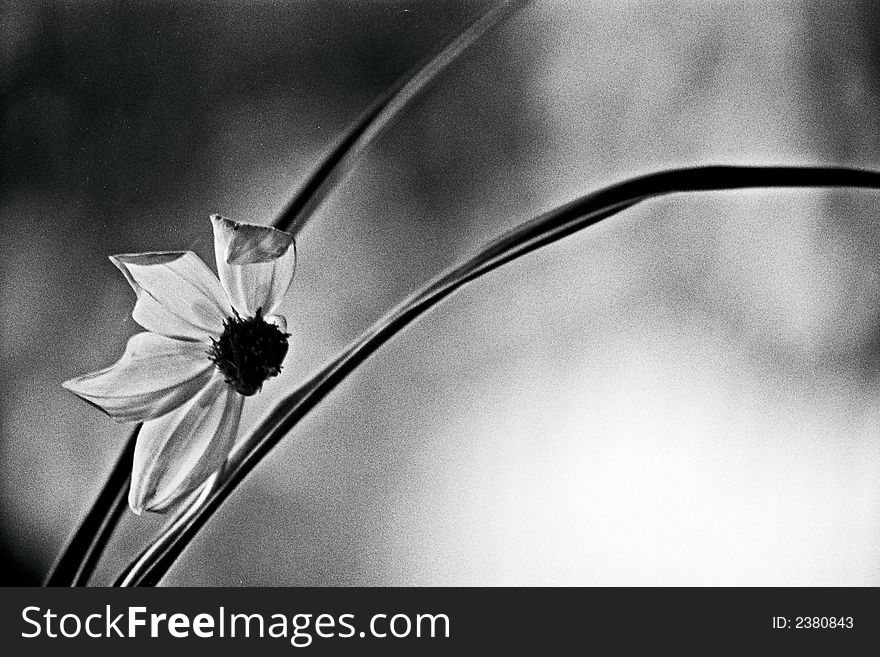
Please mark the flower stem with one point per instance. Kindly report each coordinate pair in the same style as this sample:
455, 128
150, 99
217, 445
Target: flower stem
77, 561
376, 118
154, 562
80, 556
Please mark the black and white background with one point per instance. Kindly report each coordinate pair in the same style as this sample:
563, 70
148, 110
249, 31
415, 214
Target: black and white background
686, 394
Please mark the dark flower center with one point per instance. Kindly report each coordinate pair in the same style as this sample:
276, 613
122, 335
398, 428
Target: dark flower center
249, 352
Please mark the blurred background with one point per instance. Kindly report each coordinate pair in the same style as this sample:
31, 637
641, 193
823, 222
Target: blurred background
687, 394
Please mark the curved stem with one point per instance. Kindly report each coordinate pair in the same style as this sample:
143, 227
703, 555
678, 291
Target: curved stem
586, 211
379, 116
80, 556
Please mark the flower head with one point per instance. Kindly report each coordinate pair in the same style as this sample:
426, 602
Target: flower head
208, 344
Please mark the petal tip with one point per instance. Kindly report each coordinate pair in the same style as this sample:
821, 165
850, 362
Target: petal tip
246, 244
136, 501
75, 385
154, 503
117, 262
119, 259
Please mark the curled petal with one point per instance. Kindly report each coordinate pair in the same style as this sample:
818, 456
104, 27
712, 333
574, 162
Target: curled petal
277, 320
176, 453
177, 294
255, 263
154, 376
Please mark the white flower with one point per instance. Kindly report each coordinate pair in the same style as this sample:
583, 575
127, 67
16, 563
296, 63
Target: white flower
208, 344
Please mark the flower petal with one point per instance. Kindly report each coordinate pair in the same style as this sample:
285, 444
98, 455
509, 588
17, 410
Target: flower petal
255, 263
178, 295
154, 376
176, 453
277, 320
